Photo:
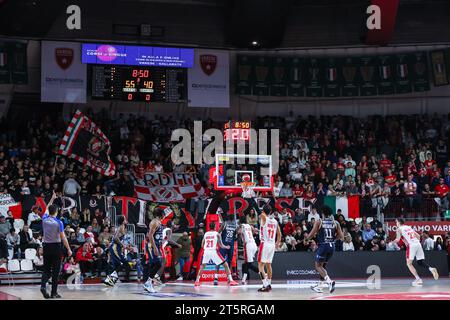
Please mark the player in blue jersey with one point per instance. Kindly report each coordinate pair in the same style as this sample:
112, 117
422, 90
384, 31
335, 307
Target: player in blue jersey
327, 231
154, 249
117, 260
228, 230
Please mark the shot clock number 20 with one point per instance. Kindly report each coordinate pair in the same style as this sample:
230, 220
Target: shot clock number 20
138, 85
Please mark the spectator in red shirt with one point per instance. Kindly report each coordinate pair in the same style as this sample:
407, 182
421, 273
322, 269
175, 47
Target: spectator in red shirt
85, 259
442, 191
385, 163
390, 178
297, 191
289, 227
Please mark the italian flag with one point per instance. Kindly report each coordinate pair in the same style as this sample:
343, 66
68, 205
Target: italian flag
348, 205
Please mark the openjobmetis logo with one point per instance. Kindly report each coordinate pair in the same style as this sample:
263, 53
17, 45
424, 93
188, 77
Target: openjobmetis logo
208, 62
64, 57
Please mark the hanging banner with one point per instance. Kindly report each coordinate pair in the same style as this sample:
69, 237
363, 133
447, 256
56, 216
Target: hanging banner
439, 65
368, 85
403, 74
5, 72
279, 77
350, 76
385, 75
244, 81
63, 76
295, 78
261, 71
18, 62
209, 80
166, 187
419, 70
315, 78
332, 77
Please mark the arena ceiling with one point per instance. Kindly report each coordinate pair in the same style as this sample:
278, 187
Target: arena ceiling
223, 23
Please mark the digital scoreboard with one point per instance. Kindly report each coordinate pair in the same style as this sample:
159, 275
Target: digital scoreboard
144, 84
236, 131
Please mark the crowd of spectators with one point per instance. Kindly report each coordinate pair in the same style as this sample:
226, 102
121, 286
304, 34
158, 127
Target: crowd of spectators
402, 159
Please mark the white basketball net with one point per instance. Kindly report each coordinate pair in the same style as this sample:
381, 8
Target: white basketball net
247, 189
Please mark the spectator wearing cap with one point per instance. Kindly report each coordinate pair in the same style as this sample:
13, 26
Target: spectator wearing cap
34, 219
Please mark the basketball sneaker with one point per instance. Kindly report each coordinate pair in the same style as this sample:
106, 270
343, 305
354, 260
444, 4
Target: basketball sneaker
148, 286
264, 289
417, 283
216, 281
233, 283
317, 288
331, 286
197, 284
108, 281
435, 273
244, 282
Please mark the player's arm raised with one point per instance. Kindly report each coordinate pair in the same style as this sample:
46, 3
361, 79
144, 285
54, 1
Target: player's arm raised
151, 234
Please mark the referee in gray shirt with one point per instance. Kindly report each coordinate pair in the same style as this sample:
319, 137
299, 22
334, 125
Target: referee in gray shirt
53, 235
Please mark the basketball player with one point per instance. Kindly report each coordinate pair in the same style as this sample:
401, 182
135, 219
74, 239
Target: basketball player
328, 231
210, 244
270, 236
154, 249
228, 232
413, 250
250, 248
167, 235
117, 260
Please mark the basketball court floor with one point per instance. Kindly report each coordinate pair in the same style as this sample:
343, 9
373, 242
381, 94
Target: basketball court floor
390, 289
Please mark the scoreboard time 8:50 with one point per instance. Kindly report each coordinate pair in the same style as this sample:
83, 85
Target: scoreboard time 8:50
139, 84
236, 131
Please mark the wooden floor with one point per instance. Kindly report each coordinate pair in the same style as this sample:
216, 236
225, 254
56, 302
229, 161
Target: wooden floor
391, 289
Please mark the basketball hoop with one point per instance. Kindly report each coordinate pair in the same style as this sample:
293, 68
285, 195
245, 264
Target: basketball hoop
247, 189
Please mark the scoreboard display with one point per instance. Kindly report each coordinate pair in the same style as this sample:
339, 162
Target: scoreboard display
143, 84
236, 131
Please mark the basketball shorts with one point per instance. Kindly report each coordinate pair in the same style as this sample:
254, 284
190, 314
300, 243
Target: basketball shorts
212, 257
415, 250
324, 252
227, 253
250, 251
153, 258
266, 252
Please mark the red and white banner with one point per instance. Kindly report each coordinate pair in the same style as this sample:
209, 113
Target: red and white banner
433, 227
167, 187
8, 203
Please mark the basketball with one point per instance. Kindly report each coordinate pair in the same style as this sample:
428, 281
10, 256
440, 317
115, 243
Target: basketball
246, 178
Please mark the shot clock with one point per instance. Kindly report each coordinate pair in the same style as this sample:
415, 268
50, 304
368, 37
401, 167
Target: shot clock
141, 84
236, 131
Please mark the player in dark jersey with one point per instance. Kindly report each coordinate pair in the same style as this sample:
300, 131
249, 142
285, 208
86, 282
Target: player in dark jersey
228, 231
327, 231
117, 260
154, 249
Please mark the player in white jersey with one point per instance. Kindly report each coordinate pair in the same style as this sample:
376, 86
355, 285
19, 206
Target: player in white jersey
166, 236
270, 236
413, 251
250, 248
210, 244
